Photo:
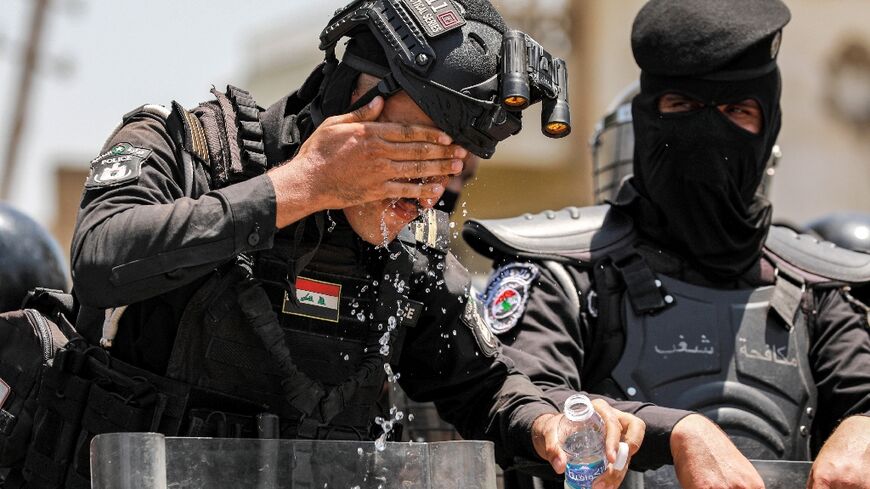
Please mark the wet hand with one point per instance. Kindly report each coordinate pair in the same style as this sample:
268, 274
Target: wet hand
704, 457
844, 459
619, 427
352, 159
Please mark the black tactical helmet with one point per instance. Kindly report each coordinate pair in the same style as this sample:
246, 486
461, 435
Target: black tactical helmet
29, 258
850, 230
457, 60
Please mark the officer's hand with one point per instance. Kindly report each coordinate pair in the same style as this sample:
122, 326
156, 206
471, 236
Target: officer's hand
351, 159
704, 457
844, 459
618, 426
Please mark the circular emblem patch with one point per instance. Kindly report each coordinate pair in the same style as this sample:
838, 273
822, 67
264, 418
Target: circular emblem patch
506, 295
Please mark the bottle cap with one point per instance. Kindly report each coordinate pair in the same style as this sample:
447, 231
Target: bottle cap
621, 456
578, 408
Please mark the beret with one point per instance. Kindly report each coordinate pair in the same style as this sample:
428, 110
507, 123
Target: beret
700, 37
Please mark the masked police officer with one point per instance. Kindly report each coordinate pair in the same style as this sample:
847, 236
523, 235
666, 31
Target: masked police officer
261, 264
680, 292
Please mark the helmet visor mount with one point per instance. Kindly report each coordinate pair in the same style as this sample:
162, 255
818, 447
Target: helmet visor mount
477, 117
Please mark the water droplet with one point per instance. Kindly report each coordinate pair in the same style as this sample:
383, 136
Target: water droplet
346, 357
411, 417
361, 317
452, 224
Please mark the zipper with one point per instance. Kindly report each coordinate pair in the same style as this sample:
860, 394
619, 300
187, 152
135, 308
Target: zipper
44, 332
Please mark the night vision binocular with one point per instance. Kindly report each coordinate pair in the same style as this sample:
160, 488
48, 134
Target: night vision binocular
446, 61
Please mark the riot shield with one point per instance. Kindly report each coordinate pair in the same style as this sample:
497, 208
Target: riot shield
151, 461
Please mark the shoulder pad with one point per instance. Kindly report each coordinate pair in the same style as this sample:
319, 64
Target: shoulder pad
569, 235
816, 262
153, 109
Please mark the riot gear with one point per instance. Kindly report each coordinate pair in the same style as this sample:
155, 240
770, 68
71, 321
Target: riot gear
850, 230
433, 52
612, 146
29, 258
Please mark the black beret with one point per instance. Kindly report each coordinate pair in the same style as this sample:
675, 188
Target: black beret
700, 37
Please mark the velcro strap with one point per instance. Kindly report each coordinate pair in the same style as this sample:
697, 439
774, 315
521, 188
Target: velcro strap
644, 292
786, 300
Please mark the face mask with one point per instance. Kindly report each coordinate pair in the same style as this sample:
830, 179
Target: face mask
697, 173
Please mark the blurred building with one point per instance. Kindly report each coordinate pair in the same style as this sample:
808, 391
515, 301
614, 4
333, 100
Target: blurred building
825, 62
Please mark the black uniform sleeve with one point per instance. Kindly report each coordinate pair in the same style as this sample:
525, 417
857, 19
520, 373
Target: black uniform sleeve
139, 240
549, 344
474, 388
840, 361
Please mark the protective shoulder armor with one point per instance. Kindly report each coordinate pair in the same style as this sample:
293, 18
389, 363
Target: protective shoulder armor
816, 262
569, 235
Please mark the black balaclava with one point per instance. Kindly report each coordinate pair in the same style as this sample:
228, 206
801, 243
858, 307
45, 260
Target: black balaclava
697, 173
696, 179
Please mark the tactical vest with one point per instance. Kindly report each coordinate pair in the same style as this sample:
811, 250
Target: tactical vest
739, 357
299, 334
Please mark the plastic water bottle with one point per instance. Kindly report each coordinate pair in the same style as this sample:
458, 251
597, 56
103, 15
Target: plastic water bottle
582, 434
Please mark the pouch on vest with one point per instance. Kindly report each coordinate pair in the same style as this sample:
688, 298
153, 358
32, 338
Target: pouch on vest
28, 342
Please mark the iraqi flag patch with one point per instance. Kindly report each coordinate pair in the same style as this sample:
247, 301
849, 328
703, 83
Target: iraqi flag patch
314, 299
506, 295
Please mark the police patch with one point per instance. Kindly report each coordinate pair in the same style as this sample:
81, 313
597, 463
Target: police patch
437, 17
506, 295
473, 318
121, 164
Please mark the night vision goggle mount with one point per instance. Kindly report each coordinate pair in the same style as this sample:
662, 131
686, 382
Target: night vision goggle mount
477, 117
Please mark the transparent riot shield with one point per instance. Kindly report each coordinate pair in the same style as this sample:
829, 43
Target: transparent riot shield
150, 461
777, 474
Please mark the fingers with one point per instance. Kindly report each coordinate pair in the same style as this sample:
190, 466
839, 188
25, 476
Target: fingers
611, 479
557, 457
414, 151
427, 168
633, 430
612, 428
406, 190
404, 133
367, 113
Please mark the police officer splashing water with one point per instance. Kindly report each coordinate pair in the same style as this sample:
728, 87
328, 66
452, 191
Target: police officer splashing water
237, 264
